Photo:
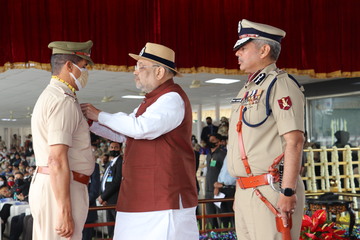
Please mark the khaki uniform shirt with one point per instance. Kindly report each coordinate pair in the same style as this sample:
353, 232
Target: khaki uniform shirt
57, 119
265, 142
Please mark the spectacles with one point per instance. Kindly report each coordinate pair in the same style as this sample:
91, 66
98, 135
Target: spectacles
142, 67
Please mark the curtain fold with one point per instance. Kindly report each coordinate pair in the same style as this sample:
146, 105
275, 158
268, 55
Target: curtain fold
321, 36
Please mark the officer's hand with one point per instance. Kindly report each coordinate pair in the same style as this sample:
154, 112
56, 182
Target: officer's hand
89, 111
286, 206
217, 187
100, 200
65, 224
216, 191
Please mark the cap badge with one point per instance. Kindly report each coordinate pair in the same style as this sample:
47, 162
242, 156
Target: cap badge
285, 103
142, 51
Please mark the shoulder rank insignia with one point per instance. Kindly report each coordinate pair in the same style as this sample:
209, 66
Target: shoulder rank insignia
69, 95
279, 71
259, 78
285, 103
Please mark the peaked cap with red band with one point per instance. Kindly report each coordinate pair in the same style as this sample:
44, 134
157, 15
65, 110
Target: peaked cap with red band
248, 30
81, 49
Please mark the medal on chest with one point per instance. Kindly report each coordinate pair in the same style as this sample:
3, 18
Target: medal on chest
250, 97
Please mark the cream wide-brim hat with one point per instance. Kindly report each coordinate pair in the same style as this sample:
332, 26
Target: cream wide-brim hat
159, 54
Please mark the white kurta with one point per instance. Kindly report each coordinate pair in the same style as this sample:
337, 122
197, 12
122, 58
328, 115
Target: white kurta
161, 117
164, 115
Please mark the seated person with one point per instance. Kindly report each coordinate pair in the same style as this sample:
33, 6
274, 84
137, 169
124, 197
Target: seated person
5, 192
17, 222
3, 180
5, 210
10, 180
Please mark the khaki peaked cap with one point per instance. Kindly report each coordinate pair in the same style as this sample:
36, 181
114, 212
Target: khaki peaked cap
81, 49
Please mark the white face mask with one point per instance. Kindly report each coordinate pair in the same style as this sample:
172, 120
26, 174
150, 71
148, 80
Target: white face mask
83, 79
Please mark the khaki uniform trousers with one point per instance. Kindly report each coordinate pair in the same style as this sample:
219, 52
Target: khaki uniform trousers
44, 208
254, 220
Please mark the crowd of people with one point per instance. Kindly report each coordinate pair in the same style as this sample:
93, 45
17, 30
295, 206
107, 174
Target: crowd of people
17, 166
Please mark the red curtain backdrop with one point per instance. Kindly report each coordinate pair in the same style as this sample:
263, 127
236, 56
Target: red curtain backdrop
322, 36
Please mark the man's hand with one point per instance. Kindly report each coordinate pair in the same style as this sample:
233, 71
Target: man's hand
292, 161
60, 184
20, 196
89, 111
217, 186
65, 224
286, 206
101, 201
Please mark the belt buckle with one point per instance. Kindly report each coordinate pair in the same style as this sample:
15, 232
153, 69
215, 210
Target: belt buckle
270, 180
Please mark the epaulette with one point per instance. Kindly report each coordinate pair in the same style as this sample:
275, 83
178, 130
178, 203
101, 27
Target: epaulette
279, 71
70, 95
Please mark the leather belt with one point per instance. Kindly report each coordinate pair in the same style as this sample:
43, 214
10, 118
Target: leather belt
254, 181
79, 177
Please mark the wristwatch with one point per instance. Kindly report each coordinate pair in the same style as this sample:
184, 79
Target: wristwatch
288, 192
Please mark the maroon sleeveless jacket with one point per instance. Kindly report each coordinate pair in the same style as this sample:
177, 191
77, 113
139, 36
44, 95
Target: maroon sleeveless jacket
156, 172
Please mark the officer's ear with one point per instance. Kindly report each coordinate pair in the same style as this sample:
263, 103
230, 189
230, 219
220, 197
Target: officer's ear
68, 65
264, 50
160, 72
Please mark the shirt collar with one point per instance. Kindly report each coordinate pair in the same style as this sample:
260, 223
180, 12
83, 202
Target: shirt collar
259, 76
63, 86
112, 162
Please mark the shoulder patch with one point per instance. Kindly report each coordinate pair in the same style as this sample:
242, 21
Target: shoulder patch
285, 103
